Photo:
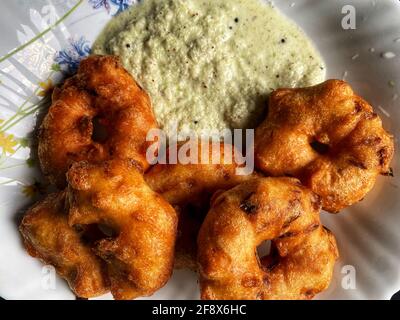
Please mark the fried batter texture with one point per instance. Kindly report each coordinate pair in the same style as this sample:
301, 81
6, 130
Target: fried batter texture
277, 209
329, 138
189, 188
48, 236
140, 250
102, 93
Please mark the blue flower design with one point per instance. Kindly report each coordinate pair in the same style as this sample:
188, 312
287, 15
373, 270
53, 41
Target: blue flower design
97, 4
68, 59
121, 4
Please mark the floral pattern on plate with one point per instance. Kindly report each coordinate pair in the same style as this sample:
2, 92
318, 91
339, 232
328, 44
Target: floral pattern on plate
121, 5
69, 58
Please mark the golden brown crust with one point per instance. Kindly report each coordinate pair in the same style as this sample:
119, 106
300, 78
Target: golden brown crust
277, 209
326, 136
102, 90
48, 237
140, 252
189, 188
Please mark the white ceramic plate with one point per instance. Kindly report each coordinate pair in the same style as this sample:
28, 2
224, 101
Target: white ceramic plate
368, 233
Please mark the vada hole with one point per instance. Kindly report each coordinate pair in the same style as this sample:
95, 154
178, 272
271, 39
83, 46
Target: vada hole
89, 233
100, 133
107, 230
264, 249
93, 232
319, 147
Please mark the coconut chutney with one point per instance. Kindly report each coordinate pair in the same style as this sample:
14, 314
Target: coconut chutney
211, 64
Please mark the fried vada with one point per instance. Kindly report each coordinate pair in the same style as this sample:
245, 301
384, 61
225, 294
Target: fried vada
189, 188
240, 219
329, 138
139, 246
101, 95
48, 236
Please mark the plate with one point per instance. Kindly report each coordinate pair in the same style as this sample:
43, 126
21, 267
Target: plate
43, 40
